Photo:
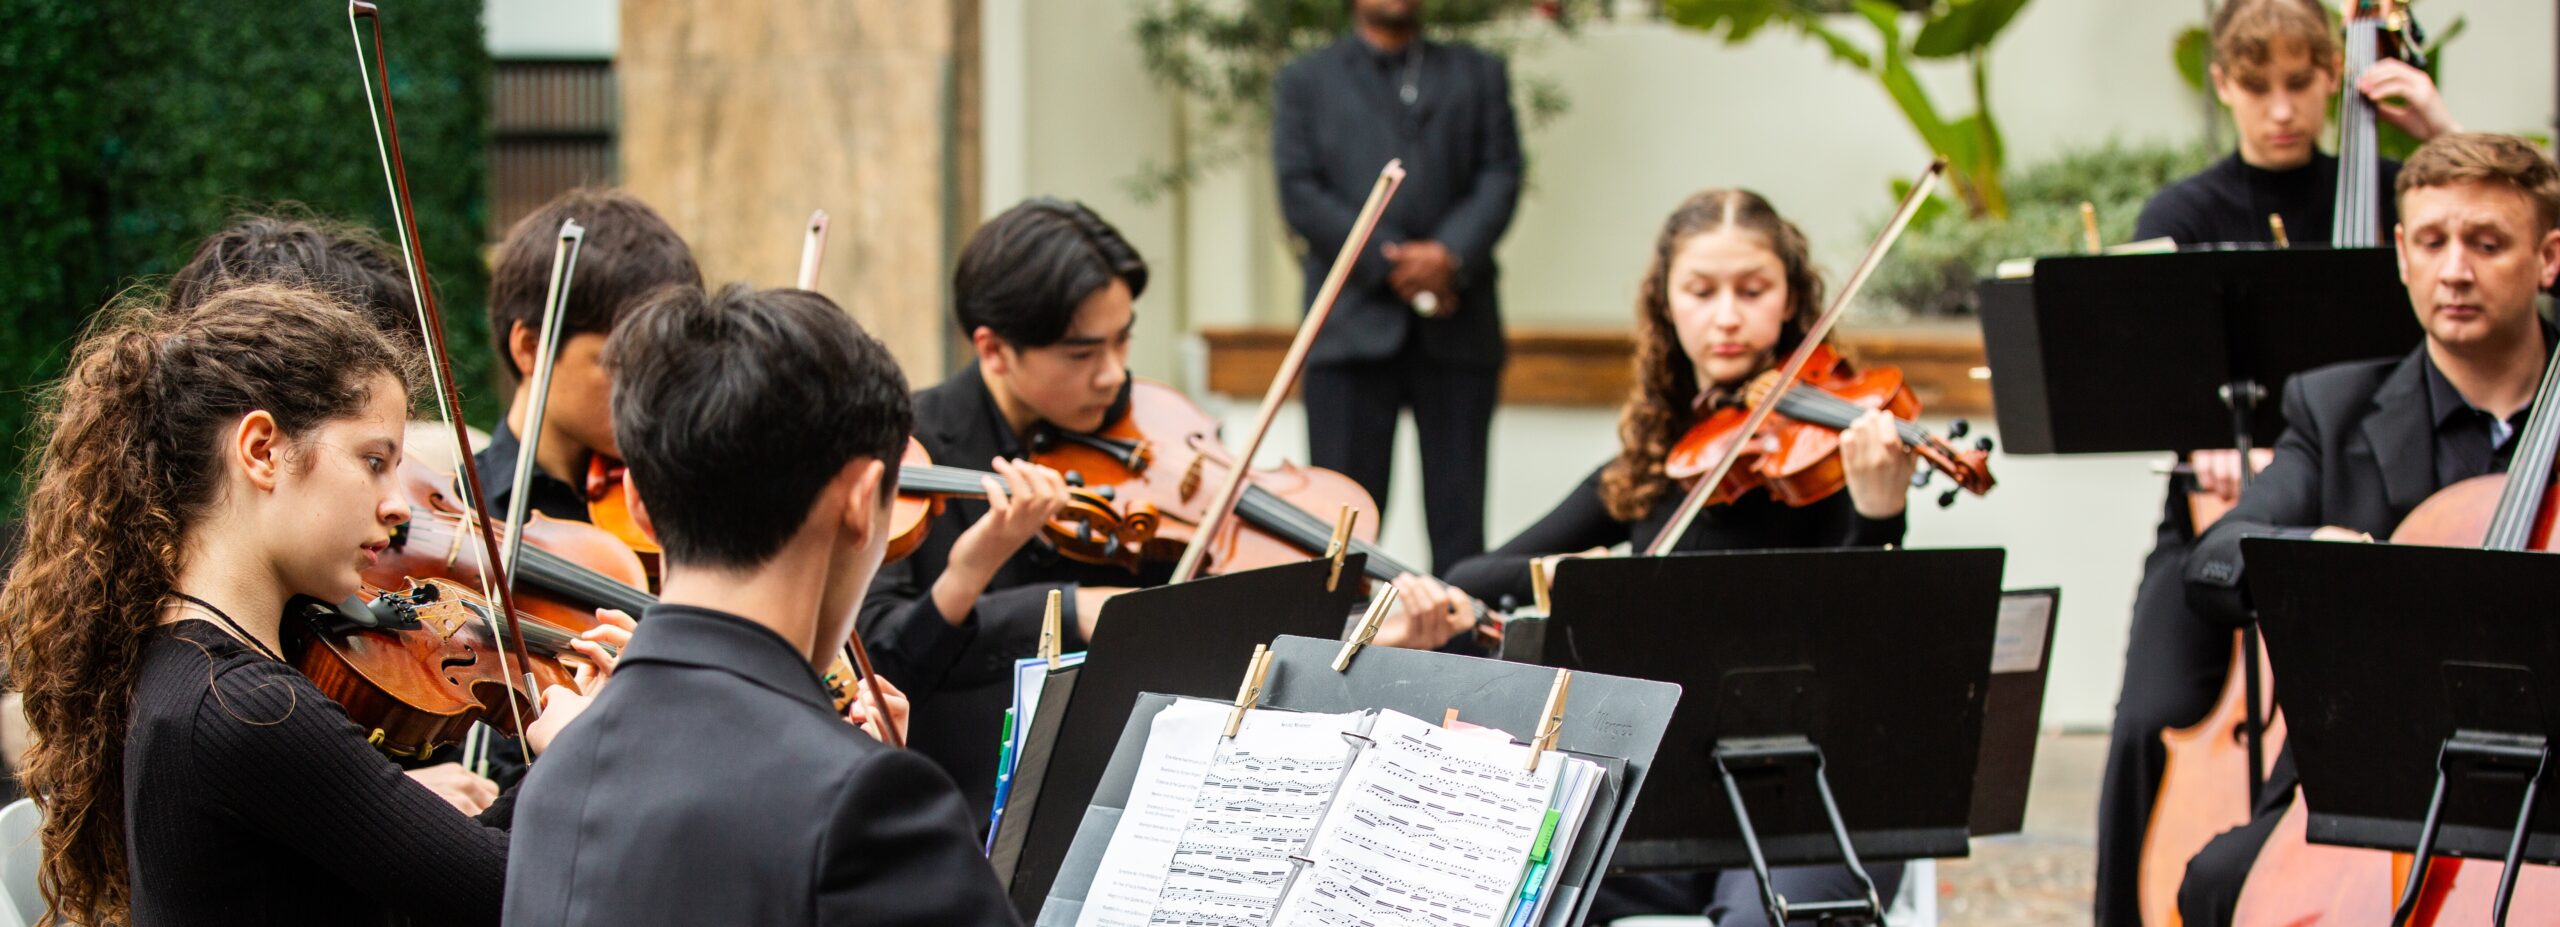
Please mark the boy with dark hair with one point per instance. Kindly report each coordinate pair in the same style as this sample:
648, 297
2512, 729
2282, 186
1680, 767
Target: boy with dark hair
344, 260
2366, 442
2276, 66
630, 253
712, 782
1046, 294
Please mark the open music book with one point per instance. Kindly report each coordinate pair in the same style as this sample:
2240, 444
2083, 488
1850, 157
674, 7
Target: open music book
1372, 817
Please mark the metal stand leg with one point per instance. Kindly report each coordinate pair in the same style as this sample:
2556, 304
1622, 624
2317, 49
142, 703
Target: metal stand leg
2492, 752
1780, 752
2243, 396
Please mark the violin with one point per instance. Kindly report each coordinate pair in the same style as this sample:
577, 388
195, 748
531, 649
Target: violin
1161, 460
1795, 454
612, 504
1090, 529
418, 666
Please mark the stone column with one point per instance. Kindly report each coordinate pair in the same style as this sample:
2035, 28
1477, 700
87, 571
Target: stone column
741, 116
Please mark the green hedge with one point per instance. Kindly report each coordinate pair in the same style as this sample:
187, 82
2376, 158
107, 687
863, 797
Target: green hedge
135, 128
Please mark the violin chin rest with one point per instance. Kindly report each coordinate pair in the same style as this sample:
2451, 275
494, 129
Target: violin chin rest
356, 613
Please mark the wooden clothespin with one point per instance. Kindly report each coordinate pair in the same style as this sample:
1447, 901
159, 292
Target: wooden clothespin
1449, 719
1538, 583
2275, 224
1050, 639
2089, 226
1340, 545
1367, 629
1250, 692
1550, 721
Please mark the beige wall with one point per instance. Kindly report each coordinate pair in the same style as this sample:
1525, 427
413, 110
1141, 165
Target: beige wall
1658, 113
741, 116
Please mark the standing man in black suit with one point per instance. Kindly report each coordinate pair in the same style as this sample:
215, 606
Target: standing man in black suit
2365, 442
716, 784
1419, 323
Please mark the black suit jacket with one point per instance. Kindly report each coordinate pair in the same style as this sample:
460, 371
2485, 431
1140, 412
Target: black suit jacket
712, 783
1334, 123
2358, 452
959, 679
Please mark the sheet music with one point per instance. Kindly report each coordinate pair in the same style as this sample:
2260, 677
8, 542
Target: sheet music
1430, 827
1180, 744
1258, 803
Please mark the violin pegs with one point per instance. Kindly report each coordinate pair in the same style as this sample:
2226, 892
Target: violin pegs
1106, 493
1920, 477
1982, 444
1946, 499
1074, 477
1958, 429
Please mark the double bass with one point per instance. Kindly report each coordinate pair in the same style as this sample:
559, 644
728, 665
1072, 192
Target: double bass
2196, 799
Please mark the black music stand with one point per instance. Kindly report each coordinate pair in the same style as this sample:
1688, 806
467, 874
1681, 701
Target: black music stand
2013, 710
1613, 721
2413, 672
2177, 352
1836, 695
1183, 639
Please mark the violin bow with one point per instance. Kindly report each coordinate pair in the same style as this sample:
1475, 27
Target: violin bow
1223, 505
1696, 500
813, 253
395, 173
564, 267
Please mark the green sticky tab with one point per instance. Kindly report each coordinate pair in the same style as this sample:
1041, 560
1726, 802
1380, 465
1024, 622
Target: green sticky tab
1546, 835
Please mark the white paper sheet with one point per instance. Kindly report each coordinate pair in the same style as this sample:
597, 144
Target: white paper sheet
1180, 743
1257, 805
1430, 827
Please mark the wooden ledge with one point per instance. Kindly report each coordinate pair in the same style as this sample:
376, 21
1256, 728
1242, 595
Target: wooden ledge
1590, 367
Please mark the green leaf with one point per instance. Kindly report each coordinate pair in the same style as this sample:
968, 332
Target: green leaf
2194, 56
1966, 26
1845, 51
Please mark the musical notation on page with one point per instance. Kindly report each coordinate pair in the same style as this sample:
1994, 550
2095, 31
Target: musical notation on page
1430, 827
1258, 805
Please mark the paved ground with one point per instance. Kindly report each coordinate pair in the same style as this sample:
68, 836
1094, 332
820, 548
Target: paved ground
2039, 878
2043, 876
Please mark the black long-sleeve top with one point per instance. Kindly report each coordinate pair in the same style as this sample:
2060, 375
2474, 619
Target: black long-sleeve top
252, 799
1755, 522
2228, 203
959, 678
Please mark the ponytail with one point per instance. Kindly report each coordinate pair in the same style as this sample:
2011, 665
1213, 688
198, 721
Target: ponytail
126, 465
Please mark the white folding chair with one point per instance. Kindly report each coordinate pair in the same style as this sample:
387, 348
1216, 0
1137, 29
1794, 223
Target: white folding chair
21, 854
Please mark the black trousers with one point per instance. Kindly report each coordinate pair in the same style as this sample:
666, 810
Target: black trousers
2174, 665
1351, 427
2214, 878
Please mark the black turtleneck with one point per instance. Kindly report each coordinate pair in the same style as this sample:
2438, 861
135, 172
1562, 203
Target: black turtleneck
2230, 202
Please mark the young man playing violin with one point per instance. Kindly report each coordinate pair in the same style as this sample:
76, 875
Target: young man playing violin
713, 782
1046, 294
629, 253
2365, 442
2276, 66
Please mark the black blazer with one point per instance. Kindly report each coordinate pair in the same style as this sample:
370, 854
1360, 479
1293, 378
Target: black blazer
1334, 123
712, 783
2358, 452
960, 679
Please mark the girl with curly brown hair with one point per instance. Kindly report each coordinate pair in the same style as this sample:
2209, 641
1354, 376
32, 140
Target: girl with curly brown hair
203, 469
1730, 291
